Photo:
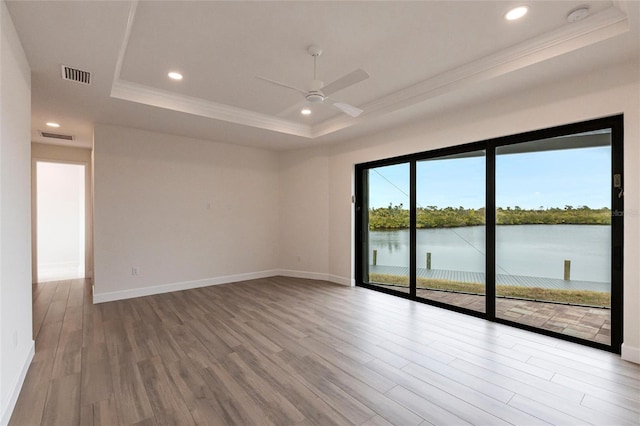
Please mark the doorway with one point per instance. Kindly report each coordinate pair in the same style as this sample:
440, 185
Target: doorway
60, 221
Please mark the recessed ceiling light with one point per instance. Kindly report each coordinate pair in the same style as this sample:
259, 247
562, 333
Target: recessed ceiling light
516, 13
52, 124
305, 111
175, 75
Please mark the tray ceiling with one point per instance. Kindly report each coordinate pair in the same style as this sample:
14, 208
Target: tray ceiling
415, 52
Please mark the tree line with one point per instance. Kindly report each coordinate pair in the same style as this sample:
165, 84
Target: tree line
397, 217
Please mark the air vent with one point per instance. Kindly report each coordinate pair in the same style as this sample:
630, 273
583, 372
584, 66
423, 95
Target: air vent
55, 135
74, 74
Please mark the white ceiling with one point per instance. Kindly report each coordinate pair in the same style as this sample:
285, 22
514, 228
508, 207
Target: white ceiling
422, 57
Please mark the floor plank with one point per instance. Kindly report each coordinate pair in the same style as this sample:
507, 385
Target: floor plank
304, 352
63, 401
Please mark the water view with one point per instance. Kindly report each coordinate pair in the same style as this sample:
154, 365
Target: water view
526, 250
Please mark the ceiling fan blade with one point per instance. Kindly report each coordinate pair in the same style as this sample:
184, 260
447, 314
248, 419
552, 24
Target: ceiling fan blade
346, 81
277, 83
347, 109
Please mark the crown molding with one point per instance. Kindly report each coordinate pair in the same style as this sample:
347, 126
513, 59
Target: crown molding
147, 95
601, 26
133, 8
135, 92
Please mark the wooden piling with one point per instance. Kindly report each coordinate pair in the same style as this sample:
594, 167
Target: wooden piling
375, 257
567, 270
428, 261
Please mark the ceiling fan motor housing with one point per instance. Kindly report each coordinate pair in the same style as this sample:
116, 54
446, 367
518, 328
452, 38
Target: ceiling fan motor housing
315, 94
314, 97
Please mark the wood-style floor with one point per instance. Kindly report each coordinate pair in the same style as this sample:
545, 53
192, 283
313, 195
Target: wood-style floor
288, 351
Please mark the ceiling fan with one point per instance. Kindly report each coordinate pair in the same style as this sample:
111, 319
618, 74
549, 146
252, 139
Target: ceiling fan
319, 92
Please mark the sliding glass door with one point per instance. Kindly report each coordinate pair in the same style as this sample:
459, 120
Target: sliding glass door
525, 230
450, 219
553, 234
387, 227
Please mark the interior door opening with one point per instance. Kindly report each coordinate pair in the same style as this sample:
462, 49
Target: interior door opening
60, 229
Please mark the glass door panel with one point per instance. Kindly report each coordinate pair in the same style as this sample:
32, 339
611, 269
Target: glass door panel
450, 235
553, 234
387, 235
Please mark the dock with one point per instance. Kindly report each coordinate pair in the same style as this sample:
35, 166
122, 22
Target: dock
501, 279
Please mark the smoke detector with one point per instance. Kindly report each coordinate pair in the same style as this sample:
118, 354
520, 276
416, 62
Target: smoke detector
578, 14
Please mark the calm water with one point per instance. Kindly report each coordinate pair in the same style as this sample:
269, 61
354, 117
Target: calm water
529, 250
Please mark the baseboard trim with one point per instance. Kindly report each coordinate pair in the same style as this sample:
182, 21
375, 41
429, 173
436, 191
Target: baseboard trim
341, 280
7, 410
630, 353
186, 285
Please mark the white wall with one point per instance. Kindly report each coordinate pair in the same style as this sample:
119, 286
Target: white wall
185, 212
598, 94
304, 213
16, 341
72, 155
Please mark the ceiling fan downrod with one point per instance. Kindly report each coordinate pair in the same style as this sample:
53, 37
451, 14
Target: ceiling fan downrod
315, 94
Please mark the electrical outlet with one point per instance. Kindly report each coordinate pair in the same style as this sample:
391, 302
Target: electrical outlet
135, 270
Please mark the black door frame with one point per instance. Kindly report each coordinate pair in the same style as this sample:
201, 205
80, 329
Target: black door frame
615, 123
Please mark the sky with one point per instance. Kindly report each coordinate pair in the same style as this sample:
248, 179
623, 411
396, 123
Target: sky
575, 177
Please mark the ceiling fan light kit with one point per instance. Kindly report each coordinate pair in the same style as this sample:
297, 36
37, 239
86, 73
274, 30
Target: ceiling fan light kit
318, 92
313, 98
